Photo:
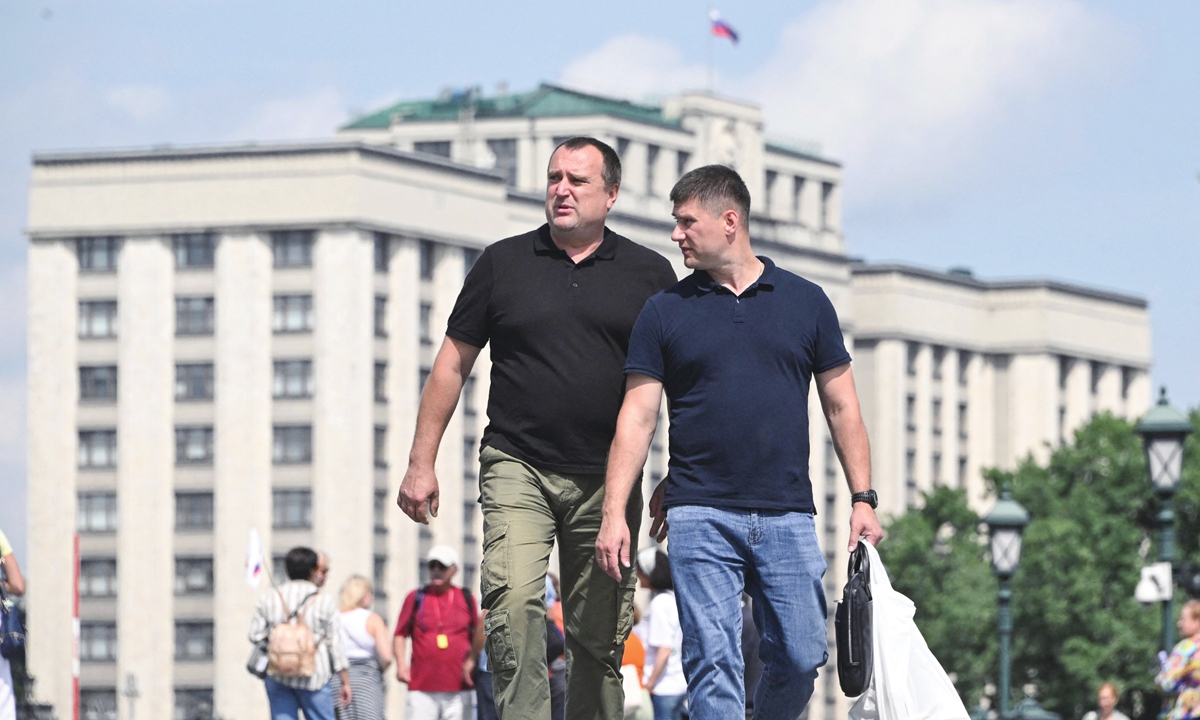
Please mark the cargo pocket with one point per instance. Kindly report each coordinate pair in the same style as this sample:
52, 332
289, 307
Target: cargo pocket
501, 655
496, 561
625, 591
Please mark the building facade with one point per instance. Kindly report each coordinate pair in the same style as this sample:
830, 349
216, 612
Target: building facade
234, 338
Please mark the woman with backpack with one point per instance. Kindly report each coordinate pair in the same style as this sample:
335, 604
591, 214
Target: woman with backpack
301, 630
368, 649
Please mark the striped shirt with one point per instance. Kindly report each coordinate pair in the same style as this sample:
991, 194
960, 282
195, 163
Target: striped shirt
321, 616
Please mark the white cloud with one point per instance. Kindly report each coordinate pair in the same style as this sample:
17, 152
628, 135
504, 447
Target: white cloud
140, 102
633, 66
914, 95
314, 115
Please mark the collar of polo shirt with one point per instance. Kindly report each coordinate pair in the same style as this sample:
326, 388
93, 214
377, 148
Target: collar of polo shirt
705, 282
543, 244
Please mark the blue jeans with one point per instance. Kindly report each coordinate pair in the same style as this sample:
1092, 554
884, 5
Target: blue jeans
667, 707
774, 557
286, 701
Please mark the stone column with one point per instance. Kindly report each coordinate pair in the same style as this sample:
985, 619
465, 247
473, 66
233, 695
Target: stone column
343, 492
1108, 389
1032, 407
241, 462
53, 387
145, 495
1077, 397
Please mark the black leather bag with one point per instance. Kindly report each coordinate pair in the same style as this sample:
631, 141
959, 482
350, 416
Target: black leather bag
12, 631
852, 625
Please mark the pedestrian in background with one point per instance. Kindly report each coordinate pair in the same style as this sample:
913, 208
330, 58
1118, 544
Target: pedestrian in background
368, 650
441, 619
14, 584
1106, 701
301, 597
663, 665
1180, 673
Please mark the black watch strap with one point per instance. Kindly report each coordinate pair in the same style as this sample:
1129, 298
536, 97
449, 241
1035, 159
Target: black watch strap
867, 496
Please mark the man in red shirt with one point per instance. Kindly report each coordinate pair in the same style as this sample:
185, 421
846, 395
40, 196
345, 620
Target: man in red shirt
441, 619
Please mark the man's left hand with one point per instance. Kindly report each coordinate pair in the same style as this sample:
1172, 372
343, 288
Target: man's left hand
864, 524
612, 547
469, 672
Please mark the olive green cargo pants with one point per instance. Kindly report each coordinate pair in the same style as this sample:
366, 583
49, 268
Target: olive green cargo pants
523, 510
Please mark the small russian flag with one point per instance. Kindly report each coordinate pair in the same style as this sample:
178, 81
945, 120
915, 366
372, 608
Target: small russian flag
720, 28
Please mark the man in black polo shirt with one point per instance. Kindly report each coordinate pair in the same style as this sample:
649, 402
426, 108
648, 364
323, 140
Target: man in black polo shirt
557, 304
736, 345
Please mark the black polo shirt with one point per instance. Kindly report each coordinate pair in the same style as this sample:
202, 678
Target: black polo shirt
559, 332
736, 371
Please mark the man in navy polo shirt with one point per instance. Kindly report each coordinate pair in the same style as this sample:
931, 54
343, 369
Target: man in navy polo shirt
736, 345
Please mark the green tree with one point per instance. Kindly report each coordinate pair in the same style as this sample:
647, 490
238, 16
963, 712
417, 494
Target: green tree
1076, 622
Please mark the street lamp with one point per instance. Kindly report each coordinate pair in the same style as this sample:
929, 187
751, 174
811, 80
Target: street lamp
1163, 431
1005, 523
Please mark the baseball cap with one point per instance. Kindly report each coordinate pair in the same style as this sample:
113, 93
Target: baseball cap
443, 554
647, 559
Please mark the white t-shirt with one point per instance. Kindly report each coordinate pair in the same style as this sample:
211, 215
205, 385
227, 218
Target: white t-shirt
663, 620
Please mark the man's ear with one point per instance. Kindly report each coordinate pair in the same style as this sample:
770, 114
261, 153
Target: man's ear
612, 195
732, 220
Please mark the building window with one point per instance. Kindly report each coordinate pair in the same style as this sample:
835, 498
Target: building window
1064, 371
381, 505
910, 413
622, 148
98, 319
441, 148
426, 321
194, 316
939, 356
422, 378
470, 255
194, 250
682, 158
194, 381
505, 150
380, 316
963, 428
292, 248
193, 511
97, 512
652, 152
193, 576
935, 468
193, 641
962, 471
424, 543
293, 313
98, 254
380, 446
910, 366
98, 578
380, 577
427, 260
97, 704
97, 448
964, 366
468, 397
380, 382
382, 251
1062, 425
98, 383
1097, 372
937, 416
293, 379
470, 453
292, 444
826, 204
769, 190
193, 704
193, 445
910, 478
797, 198
98, 641
279, 569
292, 509
1127, 375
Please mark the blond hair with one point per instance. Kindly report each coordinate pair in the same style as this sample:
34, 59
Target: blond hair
353, 591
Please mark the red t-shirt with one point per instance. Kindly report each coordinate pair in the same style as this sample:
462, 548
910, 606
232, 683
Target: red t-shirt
436, 669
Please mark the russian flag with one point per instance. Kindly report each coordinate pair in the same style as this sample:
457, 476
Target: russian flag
720, 28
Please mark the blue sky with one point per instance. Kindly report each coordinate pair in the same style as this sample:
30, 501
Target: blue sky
1047, 138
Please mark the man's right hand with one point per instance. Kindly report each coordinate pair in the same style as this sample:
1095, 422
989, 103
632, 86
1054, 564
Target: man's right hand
403, 673
658, 516
612, 546
419, 493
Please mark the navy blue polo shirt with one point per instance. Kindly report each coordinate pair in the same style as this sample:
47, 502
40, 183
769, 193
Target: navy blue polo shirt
736, 371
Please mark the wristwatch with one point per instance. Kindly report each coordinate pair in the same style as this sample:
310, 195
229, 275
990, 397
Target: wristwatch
869, 497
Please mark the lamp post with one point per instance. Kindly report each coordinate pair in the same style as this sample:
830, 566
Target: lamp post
1163, 431
1005, 523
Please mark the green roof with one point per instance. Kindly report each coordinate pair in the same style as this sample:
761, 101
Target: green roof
546, 101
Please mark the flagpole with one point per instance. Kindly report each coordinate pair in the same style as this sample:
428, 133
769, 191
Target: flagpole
710, 53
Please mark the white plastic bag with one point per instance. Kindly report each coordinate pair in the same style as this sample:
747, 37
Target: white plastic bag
908, 683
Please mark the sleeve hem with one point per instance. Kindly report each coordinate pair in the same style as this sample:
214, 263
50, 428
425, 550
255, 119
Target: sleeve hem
634, 370
845, 360
464, 337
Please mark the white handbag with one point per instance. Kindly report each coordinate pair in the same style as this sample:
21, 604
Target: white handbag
909, 682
